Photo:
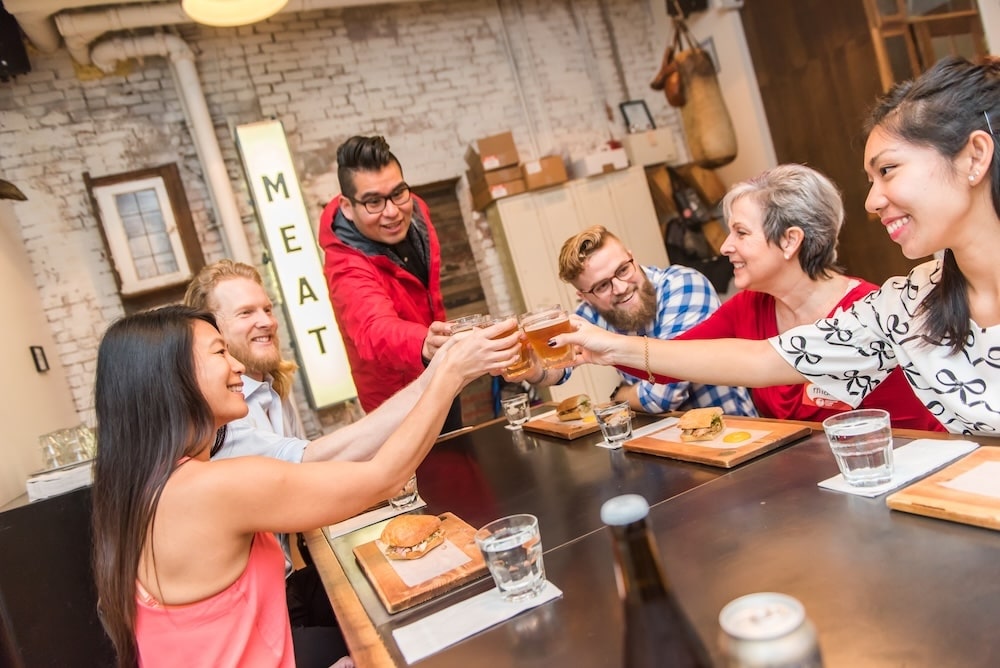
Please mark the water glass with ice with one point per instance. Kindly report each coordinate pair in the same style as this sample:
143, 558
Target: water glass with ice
861, 441
512, 548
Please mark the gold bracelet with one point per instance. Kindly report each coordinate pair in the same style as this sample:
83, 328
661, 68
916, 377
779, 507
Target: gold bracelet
645, 355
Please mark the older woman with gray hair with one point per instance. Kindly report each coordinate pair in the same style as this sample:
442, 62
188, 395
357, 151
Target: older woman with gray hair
782, 242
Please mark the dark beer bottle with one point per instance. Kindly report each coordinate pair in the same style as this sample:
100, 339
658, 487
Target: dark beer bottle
657, 633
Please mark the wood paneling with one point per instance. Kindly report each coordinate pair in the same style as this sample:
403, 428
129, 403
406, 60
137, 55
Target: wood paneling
818, 77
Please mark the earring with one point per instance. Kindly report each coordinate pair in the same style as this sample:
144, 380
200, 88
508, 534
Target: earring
787, 256
972, 178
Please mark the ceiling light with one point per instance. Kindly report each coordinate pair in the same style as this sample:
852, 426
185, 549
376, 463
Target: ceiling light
228, 13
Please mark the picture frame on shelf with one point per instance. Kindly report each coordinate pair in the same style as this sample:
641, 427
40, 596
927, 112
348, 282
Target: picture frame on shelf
637, 116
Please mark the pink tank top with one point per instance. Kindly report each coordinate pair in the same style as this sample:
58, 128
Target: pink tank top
245, 624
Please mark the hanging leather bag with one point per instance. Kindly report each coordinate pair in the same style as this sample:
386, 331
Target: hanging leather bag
688, 79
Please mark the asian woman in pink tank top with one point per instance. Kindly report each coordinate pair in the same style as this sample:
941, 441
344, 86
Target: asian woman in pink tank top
187, 568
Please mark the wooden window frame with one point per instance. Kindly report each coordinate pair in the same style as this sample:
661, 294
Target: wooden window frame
140, 293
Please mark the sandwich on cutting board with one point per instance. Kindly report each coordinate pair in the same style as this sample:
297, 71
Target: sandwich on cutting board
701, 424
576, 407
411, 536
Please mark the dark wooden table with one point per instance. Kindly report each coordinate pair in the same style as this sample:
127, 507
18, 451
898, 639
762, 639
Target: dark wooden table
884, 588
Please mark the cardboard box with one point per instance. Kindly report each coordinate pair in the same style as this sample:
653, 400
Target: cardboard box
493, 177
492, 152
599, 162
544, 172
482, 196
652, 147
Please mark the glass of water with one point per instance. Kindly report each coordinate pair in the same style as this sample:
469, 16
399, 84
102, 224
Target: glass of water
406, 496
517, 410
615, 421
861, 441
512, 548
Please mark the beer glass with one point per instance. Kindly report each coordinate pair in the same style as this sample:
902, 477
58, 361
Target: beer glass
464, 323
541, 325
525, 364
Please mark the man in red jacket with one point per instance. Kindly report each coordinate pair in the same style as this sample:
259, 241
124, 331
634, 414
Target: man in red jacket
383, 267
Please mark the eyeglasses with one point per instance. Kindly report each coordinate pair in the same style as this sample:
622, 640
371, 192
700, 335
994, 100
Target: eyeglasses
376, 203
622, 273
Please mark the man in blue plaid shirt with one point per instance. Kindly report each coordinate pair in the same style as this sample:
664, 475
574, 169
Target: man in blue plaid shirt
623, 297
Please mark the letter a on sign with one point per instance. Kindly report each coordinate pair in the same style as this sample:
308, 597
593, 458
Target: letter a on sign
286, 231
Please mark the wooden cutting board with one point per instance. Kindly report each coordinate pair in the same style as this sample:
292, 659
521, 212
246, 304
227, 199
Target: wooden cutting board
553, 426
749, 438
395, 594
931, 498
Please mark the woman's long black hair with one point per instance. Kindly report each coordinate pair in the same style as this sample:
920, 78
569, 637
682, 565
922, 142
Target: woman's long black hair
939, 110
150, 414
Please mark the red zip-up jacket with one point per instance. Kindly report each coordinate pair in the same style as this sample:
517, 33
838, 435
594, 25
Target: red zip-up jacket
383, 311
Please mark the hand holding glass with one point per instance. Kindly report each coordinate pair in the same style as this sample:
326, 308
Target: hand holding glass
526, 363
541, 325
861, 441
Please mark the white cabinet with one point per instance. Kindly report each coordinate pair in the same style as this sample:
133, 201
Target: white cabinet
529, 230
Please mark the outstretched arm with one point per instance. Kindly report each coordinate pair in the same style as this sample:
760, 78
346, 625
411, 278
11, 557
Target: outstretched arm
712, 362
360, 440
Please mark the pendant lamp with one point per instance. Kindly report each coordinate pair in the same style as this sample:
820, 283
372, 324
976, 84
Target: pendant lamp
228, 13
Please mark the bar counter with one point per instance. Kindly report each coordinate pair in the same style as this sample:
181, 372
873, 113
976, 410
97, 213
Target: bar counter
883, 588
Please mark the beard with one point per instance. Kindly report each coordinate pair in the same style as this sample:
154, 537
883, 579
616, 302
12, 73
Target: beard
257, 362
640, 318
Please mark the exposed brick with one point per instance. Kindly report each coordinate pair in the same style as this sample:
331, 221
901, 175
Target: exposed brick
430, 76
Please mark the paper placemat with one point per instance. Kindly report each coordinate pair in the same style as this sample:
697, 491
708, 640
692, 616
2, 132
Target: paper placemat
443, 558
659, 425
911, 461
443, 629
369, 518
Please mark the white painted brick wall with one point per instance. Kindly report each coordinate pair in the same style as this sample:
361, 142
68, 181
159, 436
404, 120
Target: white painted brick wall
430, 76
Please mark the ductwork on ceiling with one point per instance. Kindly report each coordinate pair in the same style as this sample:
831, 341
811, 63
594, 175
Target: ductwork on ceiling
47, 22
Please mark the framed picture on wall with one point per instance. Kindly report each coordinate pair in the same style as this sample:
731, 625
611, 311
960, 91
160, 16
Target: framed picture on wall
637, 116
147, 230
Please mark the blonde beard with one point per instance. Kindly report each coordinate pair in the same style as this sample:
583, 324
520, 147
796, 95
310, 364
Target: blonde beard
280, 370
633, 321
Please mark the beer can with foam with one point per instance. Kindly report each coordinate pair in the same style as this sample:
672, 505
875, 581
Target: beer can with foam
768, 630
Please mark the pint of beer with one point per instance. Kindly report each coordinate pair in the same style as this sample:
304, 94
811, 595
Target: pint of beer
541, 325
526, 364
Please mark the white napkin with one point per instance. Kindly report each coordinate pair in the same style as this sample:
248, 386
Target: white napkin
911, 461
656, 426
59, 481
433, 633
369, 518
443, 558
983, 480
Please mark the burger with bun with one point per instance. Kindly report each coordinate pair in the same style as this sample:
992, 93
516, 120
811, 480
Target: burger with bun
576, 407
411, 536
701, 424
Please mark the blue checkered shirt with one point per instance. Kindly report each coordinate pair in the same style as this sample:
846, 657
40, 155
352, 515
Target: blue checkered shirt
685, 298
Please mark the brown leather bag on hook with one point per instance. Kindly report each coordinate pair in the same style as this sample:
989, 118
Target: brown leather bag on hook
668, 79
687, 78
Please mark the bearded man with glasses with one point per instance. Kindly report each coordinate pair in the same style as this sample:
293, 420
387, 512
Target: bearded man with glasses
383, 266
624, 297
